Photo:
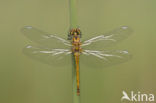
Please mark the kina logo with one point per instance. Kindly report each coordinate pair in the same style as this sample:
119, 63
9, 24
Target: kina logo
137, 97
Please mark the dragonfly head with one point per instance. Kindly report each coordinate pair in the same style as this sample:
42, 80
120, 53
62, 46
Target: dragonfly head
74, 33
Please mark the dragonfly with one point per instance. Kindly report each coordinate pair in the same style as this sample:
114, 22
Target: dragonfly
52, 49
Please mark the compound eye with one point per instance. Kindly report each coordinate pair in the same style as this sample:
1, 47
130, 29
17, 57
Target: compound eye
78, 31
71, 33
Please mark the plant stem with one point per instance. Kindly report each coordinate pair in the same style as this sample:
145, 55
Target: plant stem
73, 24
73, 13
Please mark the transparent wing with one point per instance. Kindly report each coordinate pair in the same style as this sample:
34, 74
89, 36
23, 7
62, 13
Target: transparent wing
45, 39
60, 57
99, 59
102, 41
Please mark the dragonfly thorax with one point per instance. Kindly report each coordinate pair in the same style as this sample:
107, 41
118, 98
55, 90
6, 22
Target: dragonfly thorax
76, 49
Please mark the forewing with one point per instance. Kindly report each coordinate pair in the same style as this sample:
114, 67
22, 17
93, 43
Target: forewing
100, 59
44, 39
60, 57
102, 41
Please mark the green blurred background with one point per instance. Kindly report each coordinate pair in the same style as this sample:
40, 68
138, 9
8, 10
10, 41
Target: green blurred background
23, 80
